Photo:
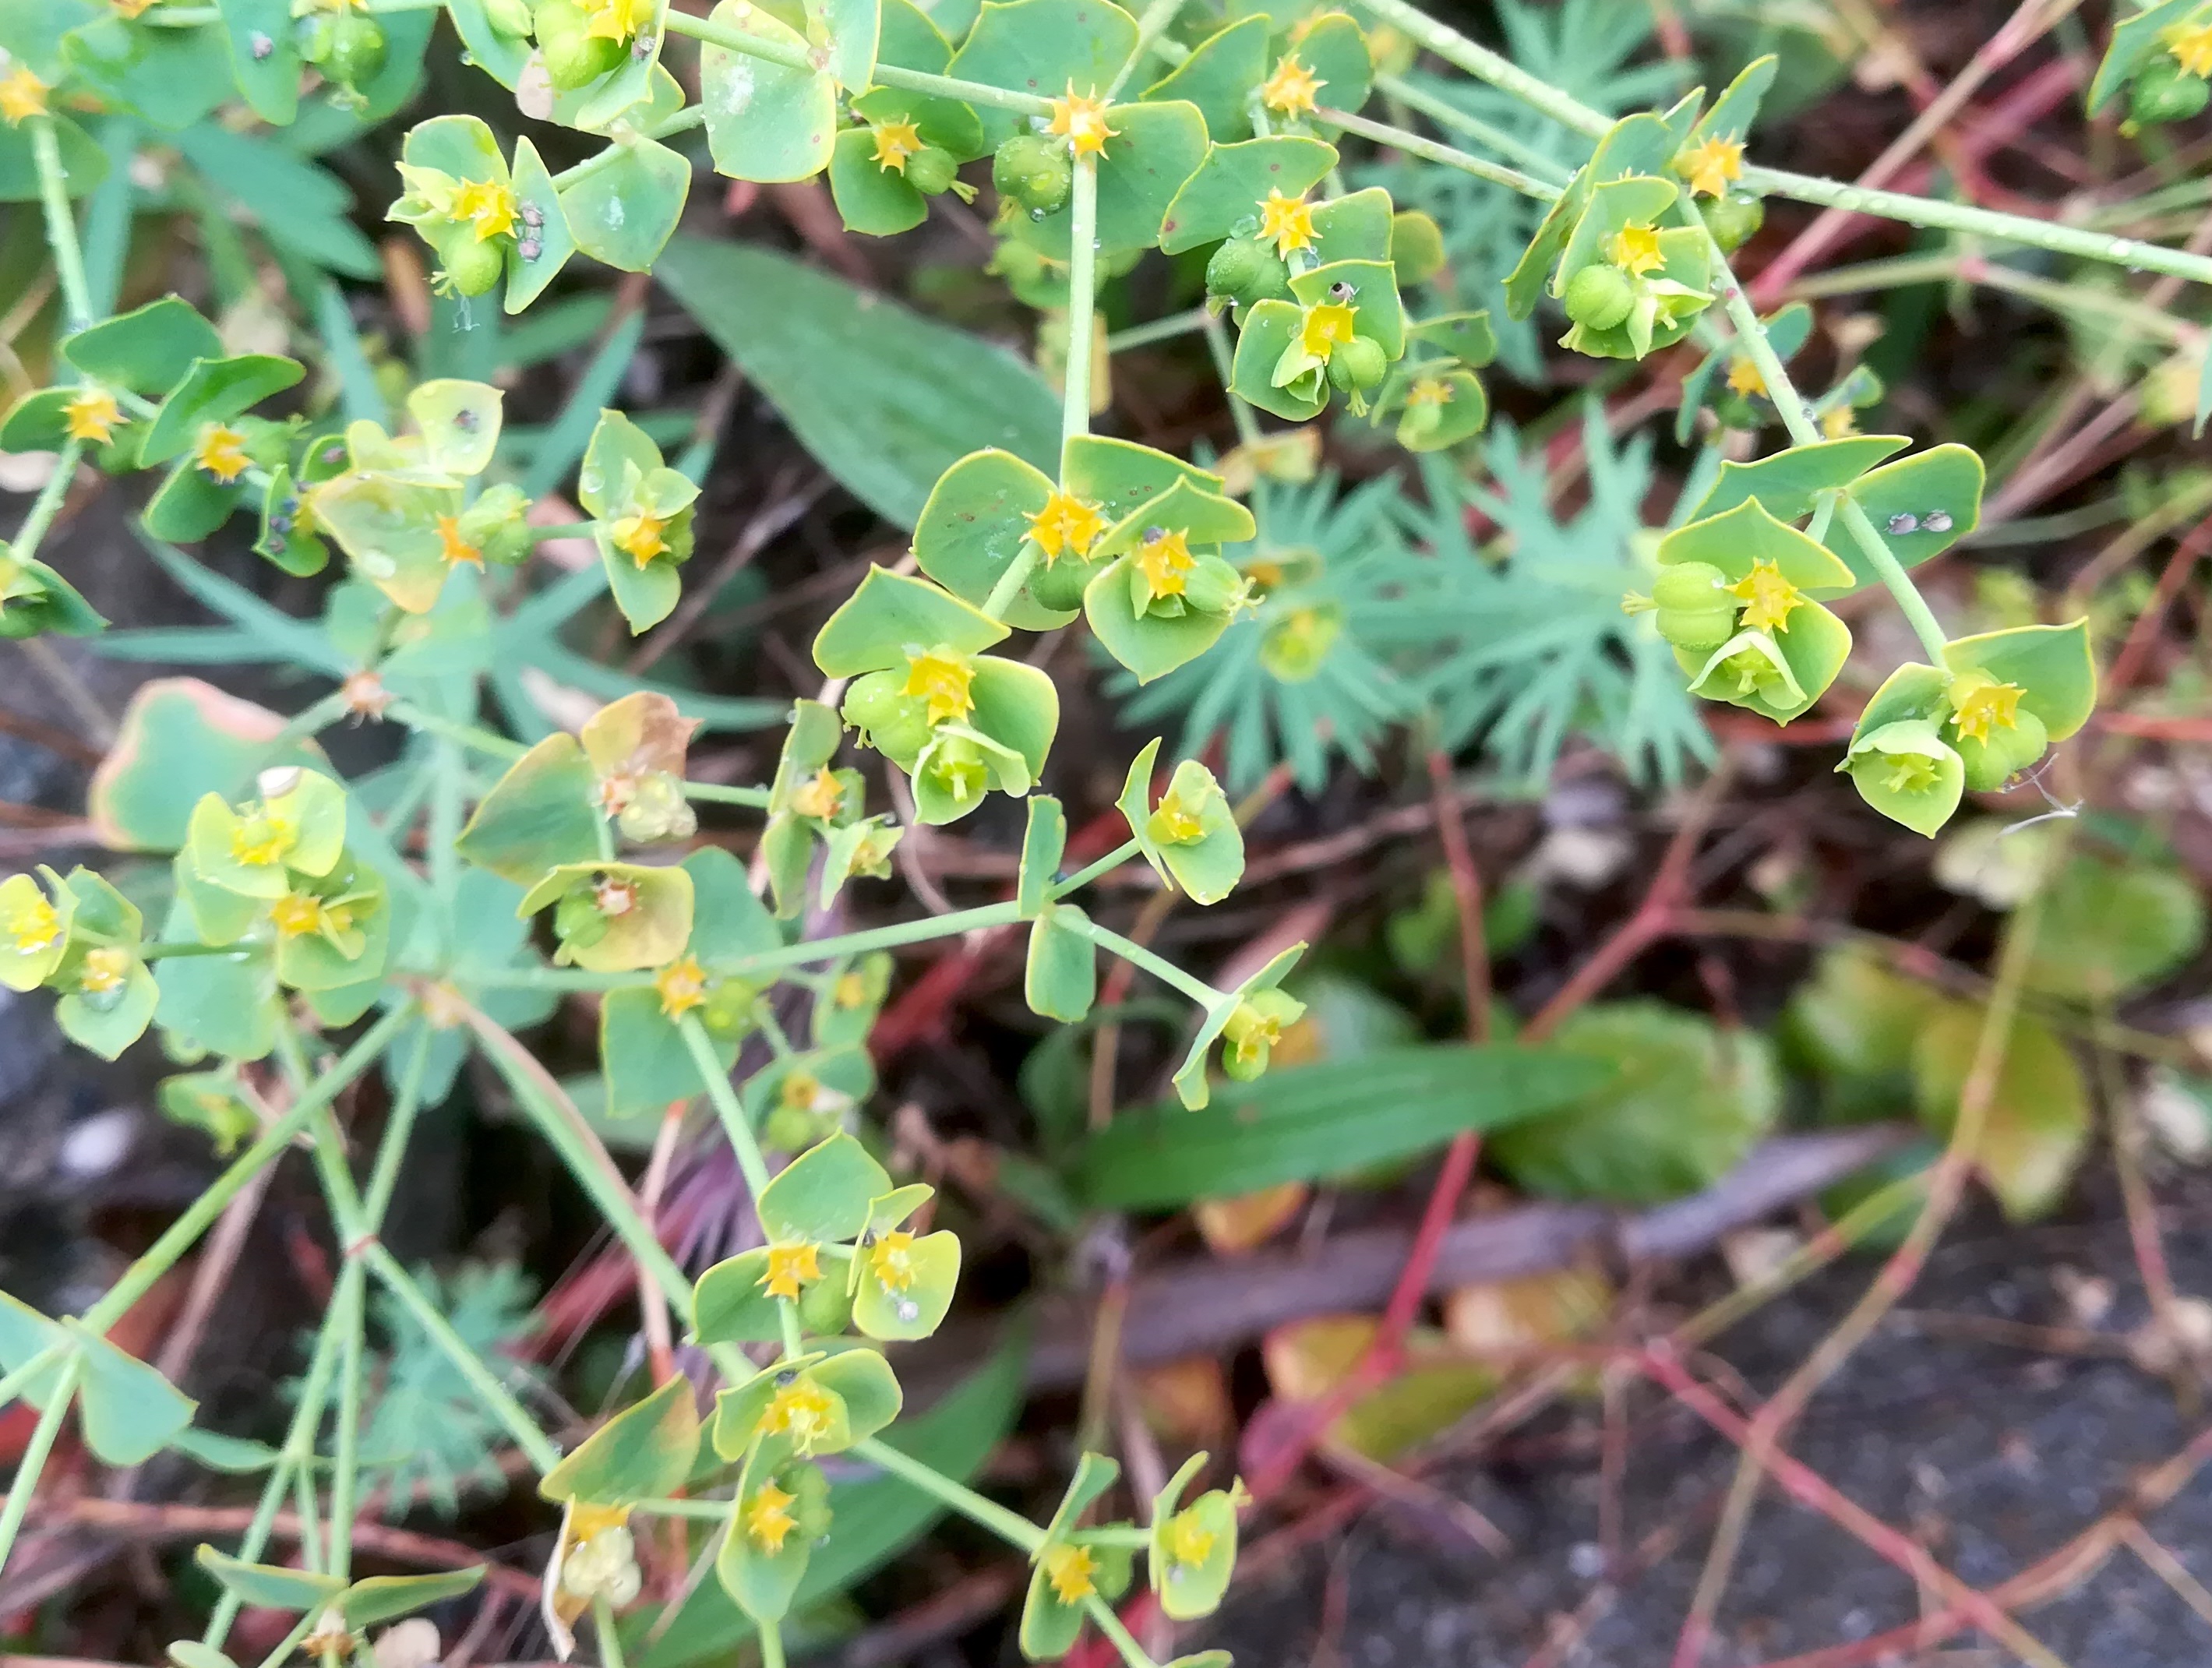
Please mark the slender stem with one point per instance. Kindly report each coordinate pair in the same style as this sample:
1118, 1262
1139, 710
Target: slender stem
1937, 215
1110, 1624
48, 504
178, 17
714, 793
1796, 417
540, 1448
610, 1635
727, 1107
11, 1385
1430, 150
1082, 300
345, 1450
305, 1625
1137, 956
182, 1234
771, 1644
1007, 1526
1446, 114
25, 1480
682, 121
1225, 366
1012, 581
384, 1175
887, 75
61, 224
464, 735
1083, 878
1160, 330
1151, 27
563, 529
787, 1321
1483, 64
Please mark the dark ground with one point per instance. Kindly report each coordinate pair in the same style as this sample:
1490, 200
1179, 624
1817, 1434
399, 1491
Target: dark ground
1993, 1454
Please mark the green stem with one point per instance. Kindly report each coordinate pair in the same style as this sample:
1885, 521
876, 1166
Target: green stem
305, 1625
1446, 114
182, 1234
345, 1450
1137, 956
1083, 878
682, 121
1225, 366
48, 504
1151, 26
1160, 330
1937, 215
1483, 64
714, 793
11, 1384
464, 735
534, 1443
610, 1635
61, 225
771, 1644
1009, 1526
564, 530
180, 17
1430, 150
383, 1174
448, 792
727, 1107
311, 720
1797, 418
25, 1480
786, 1319
1082, 300
1110, 1624
1012, 581
886, 75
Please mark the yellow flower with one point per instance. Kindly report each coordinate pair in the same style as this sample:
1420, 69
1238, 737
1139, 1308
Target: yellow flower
1838, 422
1071, 1569
800, 1090
891, 1261
615, 20
1911, 773
1744, 378
895, 142
849, 991
1635, 250
1189, 1541
297, 913
1982, 703
941, 678
1710, 166
639, 537
260, 839
1769, 598
1081, 120
1429, 391
1065, 523
104, 969
1287, 222
1175, 823
1326, 326
1166, 562
790, 1266
768, 1520
221, 453
21, 95
819, 798
132, 8
1290, 89
800, 1410
2192, 49
35, 926
92, 414
453, 548
682, 986
487, 206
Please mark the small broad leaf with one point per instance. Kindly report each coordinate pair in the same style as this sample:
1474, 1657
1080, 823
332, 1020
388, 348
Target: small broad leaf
269, 1587
1061, 977
1921, 505
1043, 840
647, 1451
1043, 47
623, 212
822, 1195
381, 1598
2037, 1121
1223, 197
766, 121
1218, 77
1788, 482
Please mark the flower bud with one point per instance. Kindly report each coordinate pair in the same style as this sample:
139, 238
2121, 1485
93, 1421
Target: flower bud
931, 170
2164, 91
356, 49
825, 1308
1031, 170
1598, 296
1253, 1030
1357, 364
577, 920
657, 810
497, 525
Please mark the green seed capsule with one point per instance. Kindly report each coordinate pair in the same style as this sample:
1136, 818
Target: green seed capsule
1245, 271
472, 264
931, 170
356, 50
573, 57
823, 1307
1695, 610
1734, 220
1357, 364
1598, 296
1033, 171
2164, 91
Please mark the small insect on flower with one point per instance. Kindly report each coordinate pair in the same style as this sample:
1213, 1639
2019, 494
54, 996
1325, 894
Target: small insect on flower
1713, 165
768, 1521
1290, 91
22, 96
1936, 521
1286, 222
1635, 250
941, 678
681, 985
222, 453
1072, 1571
1065, 524
1080, 118
895, 142
1903, 522
92, 415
